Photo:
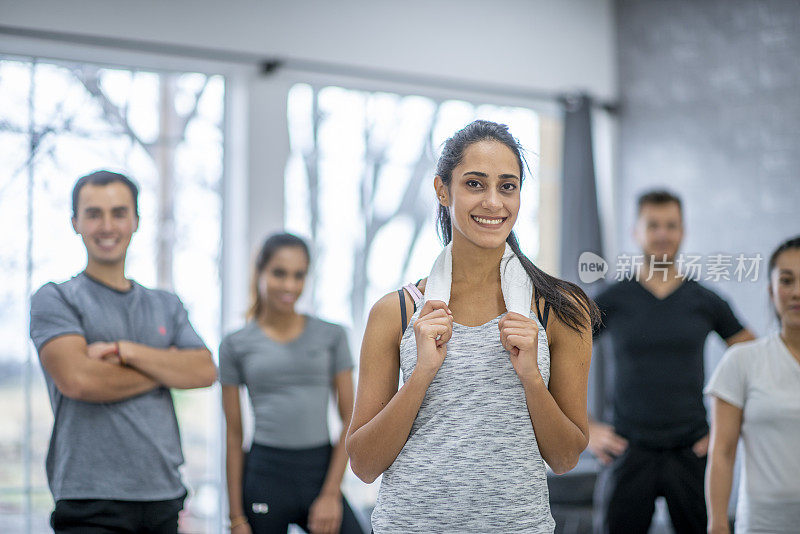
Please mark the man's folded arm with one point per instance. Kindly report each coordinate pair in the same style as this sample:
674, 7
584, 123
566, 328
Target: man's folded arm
174, 368
65, 358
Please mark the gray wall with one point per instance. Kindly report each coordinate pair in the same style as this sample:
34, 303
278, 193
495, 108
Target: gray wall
546, 45
710, 95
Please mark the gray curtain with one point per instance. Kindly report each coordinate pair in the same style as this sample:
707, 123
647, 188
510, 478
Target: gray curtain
580, 223
571, 495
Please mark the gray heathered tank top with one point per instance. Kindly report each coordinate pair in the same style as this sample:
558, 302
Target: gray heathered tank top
471, 462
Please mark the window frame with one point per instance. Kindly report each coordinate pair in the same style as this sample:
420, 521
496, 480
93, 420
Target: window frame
255, 111
58, 52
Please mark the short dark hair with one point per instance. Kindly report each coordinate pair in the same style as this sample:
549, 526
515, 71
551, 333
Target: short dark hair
104, 177
658, 197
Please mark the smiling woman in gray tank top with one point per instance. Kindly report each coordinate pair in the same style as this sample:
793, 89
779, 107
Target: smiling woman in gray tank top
488, 394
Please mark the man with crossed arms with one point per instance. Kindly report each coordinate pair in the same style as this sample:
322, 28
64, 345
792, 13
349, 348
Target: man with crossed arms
110, 350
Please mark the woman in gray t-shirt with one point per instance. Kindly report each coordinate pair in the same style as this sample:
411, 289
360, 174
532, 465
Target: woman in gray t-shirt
756, 398
289, 362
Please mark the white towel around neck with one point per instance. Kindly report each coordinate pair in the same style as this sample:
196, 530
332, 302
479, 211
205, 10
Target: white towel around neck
515, 283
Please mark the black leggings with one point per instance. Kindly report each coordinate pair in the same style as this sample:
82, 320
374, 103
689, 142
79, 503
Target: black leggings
281, 484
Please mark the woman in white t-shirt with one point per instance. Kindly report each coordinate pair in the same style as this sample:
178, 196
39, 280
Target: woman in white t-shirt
756, 397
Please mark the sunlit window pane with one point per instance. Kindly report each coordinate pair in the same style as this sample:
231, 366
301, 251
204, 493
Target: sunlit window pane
59, 121
359, 184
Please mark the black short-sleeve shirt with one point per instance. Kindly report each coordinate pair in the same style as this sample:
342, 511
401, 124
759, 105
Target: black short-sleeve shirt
658, 359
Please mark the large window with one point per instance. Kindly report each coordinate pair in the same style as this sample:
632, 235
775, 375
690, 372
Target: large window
59, 121
359, 185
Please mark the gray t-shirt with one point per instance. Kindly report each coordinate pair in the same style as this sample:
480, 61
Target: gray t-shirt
289, 383
763, 379
128, 450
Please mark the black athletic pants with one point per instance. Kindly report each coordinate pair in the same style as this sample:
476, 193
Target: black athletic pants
88, 516
626, 491
281, 484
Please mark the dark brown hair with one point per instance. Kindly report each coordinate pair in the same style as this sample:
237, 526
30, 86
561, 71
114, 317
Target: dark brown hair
568, 301
104, 178
271, 245
658, 197
789, 244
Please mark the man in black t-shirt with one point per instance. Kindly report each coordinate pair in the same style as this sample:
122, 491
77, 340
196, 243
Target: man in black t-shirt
658, 321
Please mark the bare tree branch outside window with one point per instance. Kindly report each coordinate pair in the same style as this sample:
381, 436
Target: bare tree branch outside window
396, 140
59, 120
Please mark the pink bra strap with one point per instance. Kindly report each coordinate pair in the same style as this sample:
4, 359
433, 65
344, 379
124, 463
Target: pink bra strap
415, 293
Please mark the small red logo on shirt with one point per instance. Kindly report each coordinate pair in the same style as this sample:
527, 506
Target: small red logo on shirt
162, 330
